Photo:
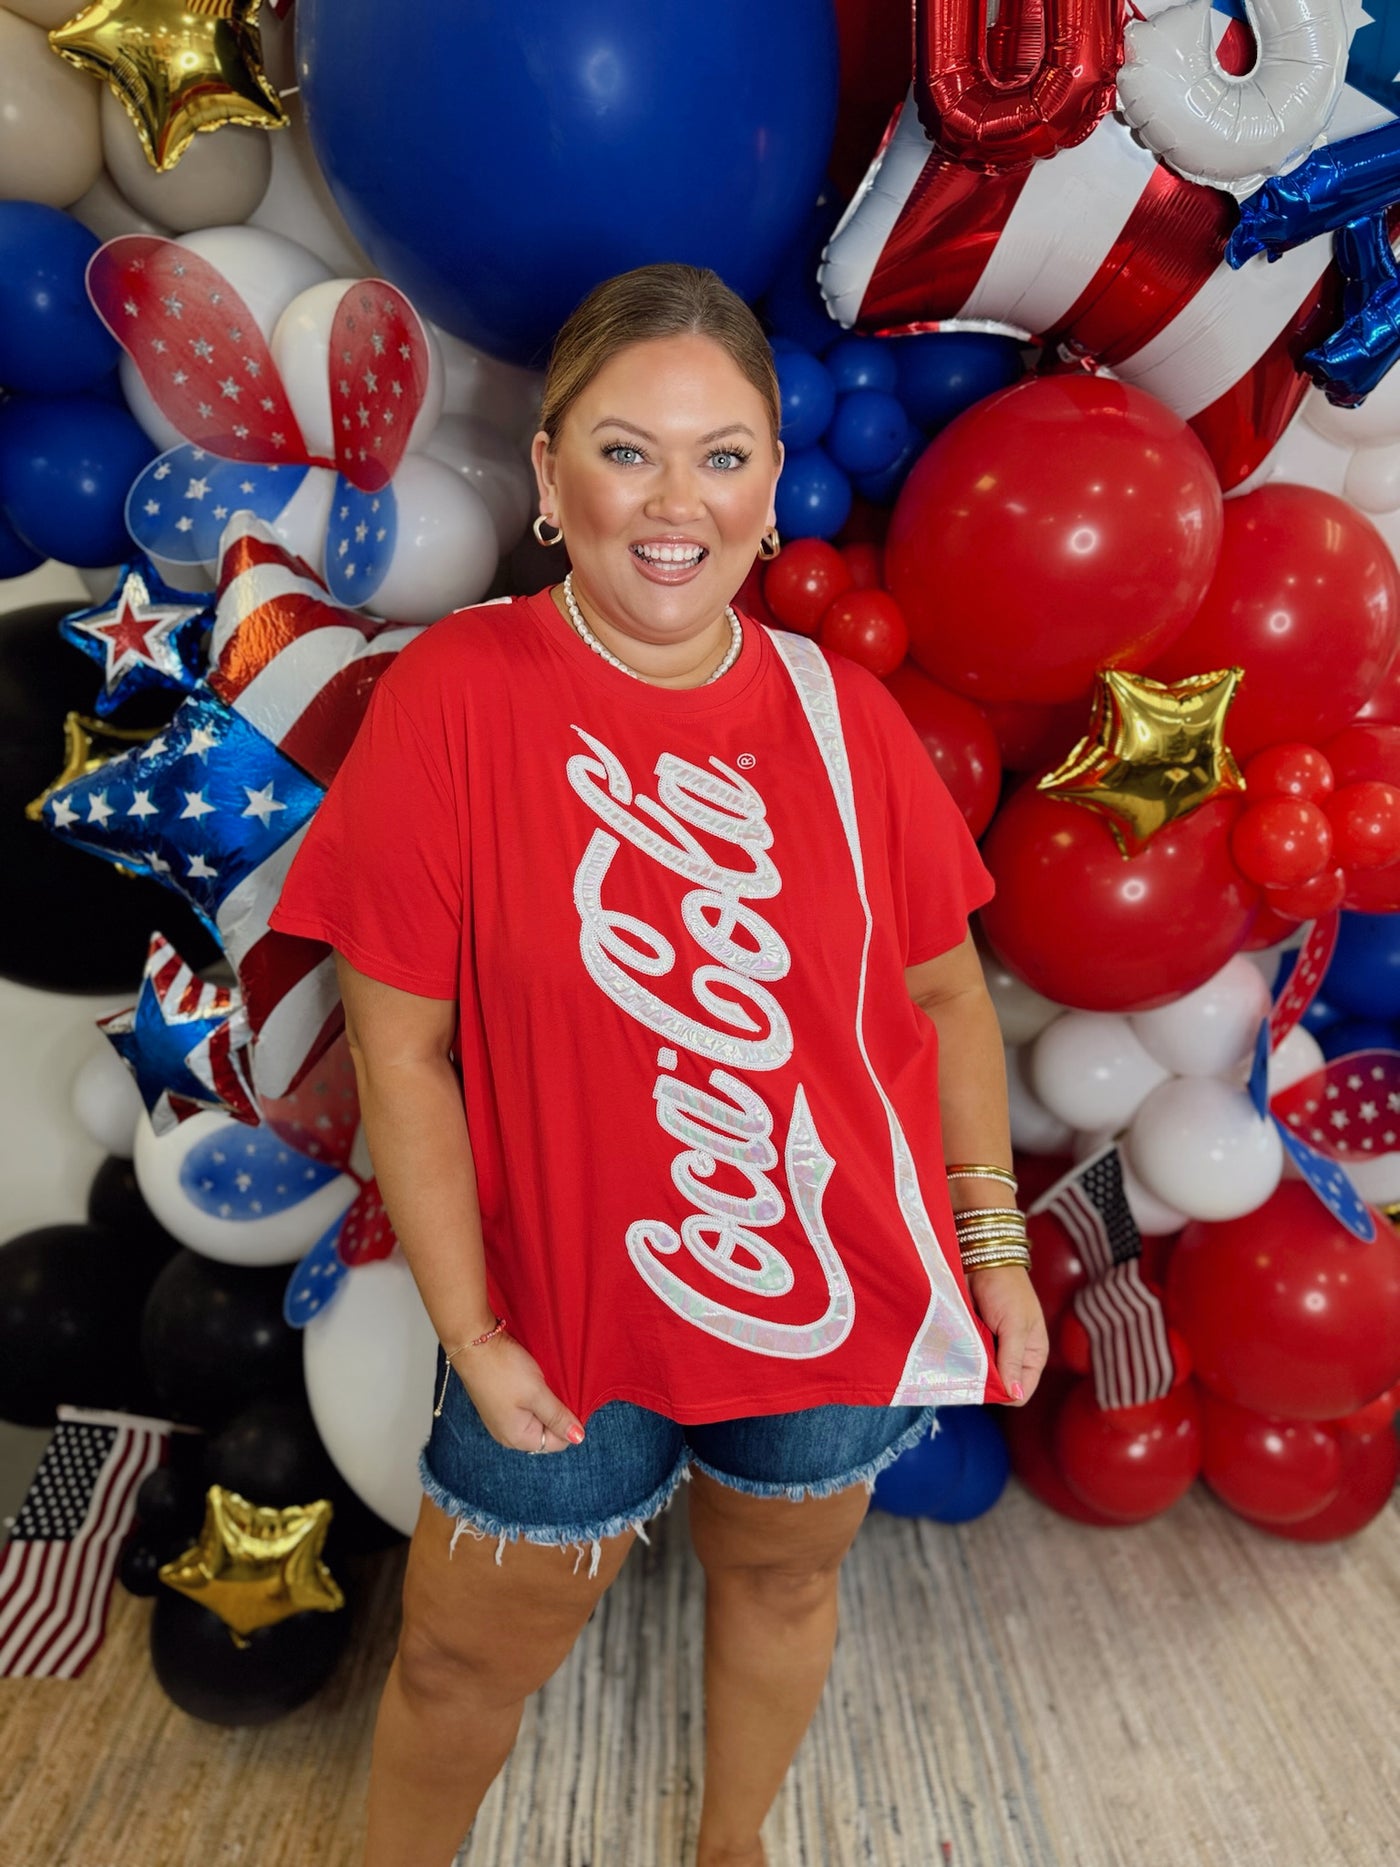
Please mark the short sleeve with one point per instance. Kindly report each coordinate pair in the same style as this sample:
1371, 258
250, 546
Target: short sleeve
939, 877
378, 874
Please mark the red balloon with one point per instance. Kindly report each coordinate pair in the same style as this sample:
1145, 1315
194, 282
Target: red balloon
1064, 524
1365, 749
958, 740
1091, 929
1309, 899
749, 598
1290, 770
869, 626
1365, 821
1307, 600
1269, 928
803, 581
1029, 1431
1371, 1418
1281, 841
1271, 1470
1287, 1313
877, 62
1130, 1463
1370, 1465
866, 563
1033, 737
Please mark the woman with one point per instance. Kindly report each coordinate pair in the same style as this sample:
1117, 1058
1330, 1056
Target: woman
687, 900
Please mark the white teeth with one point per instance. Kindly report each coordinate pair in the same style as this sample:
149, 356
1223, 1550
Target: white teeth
670, 554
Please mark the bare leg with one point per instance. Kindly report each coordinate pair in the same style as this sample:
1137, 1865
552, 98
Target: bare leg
477, 1639
771, 1568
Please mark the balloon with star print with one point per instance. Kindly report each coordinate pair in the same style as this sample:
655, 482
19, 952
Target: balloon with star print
146, 634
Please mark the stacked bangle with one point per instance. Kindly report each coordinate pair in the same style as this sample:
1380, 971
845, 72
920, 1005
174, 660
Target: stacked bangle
990, 1235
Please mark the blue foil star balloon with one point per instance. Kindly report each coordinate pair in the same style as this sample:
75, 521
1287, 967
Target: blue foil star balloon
1350, 363
146, 634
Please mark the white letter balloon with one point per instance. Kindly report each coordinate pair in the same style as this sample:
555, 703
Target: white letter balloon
368, 1359
238, 1193
1034, 1130
1200, 1146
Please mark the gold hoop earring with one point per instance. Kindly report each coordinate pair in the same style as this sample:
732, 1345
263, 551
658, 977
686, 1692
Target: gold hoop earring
558, 537
770, 544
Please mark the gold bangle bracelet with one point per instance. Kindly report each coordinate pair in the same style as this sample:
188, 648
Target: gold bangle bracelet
963, 1170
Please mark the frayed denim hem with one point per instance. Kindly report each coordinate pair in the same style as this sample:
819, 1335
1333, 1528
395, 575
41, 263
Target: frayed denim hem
866, 1474
482, 1524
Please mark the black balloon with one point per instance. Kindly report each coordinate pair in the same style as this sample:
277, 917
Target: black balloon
272, 1454
214, 1339
71, 1301
169, 1502
138, 1565
116, 1202
281, 1667
77, 924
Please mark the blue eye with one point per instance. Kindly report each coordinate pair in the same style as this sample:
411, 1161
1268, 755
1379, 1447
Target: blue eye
735, 455
613, 448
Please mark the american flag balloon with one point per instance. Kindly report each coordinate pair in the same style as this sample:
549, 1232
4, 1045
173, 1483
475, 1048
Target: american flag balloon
1105, 254
212, 374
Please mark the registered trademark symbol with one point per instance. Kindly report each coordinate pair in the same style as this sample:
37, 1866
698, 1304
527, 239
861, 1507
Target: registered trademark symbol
746, 761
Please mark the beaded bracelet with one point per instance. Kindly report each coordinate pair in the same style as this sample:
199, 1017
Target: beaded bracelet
476, 1342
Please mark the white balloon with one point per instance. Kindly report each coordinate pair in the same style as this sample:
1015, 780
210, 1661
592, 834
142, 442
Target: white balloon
1089, 1069
144, 407
1212, 1029
301, 343
445, 555
162, 1164
1296, 1057
1153, 1217
1266, 962
498, 469
299, 205
1376, 1178
1034, 1130
106, 1101
503, 394
50, 144
1199, 1145
1021, 1011
1373, 479
265, 269
217, 182
369, 1358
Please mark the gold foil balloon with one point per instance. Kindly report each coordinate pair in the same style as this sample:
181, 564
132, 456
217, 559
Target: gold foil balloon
177, 67
254, 1566
1154, 752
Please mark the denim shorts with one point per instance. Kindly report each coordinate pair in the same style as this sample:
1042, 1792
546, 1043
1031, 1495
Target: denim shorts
632, 1460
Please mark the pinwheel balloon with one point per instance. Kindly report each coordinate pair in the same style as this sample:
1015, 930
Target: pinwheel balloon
316, 429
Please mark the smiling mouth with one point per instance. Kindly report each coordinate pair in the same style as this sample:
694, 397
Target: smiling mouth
673, 557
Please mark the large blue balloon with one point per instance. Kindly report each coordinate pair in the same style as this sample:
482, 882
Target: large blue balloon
1364, 975
52, 342
941, 373
66, 466
497, 161
956, 1475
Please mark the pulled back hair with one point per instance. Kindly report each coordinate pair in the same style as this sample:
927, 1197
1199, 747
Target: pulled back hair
664, 300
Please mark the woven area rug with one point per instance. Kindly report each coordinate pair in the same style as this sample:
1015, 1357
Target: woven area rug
1017, 1692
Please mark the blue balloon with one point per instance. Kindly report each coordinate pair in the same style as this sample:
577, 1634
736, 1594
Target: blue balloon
941, 373
66, 465
1364, 976
814, 496
499, 161
868, 432
1348, 1034
1318, 1015
796, 311
52, 342
862, 363
15, 556
882, 489
808, 394
955, 1476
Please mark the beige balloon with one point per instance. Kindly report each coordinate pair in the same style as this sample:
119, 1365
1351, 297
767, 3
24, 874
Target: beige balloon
46, 13
103, 210
50, 144
218, 181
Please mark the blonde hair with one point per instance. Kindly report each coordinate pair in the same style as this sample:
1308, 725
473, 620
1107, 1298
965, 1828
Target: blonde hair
663, 300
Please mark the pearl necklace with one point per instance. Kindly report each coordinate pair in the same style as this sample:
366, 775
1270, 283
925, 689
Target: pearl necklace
576, 616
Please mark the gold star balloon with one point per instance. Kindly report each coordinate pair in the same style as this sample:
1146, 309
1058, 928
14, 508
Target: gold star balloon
178, 65
255, 1566
1155, 751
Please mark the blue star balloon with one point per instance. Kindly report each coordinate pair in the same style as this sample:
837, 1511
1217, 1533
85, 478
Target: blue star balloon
1357, 355
146, 634
202, 806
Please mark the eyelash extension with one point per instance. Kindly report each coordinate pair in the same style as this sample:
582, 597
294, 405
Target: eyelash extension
609, 448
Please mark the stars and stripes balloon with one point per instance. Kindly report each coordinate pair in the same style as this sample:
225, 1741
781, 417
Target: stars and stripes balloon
146, 634
316, 420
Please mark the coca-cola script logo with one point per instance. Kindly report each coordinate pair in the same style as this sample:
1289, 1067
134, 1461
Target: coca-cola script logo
740, 1026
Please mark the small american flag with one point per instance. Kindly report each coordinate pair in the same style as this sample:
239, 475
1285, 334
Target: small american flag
56, 1570
1129, 1353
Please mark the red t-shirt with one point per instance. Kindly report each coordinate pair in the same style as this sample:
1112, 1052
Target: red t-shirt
702, 1105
